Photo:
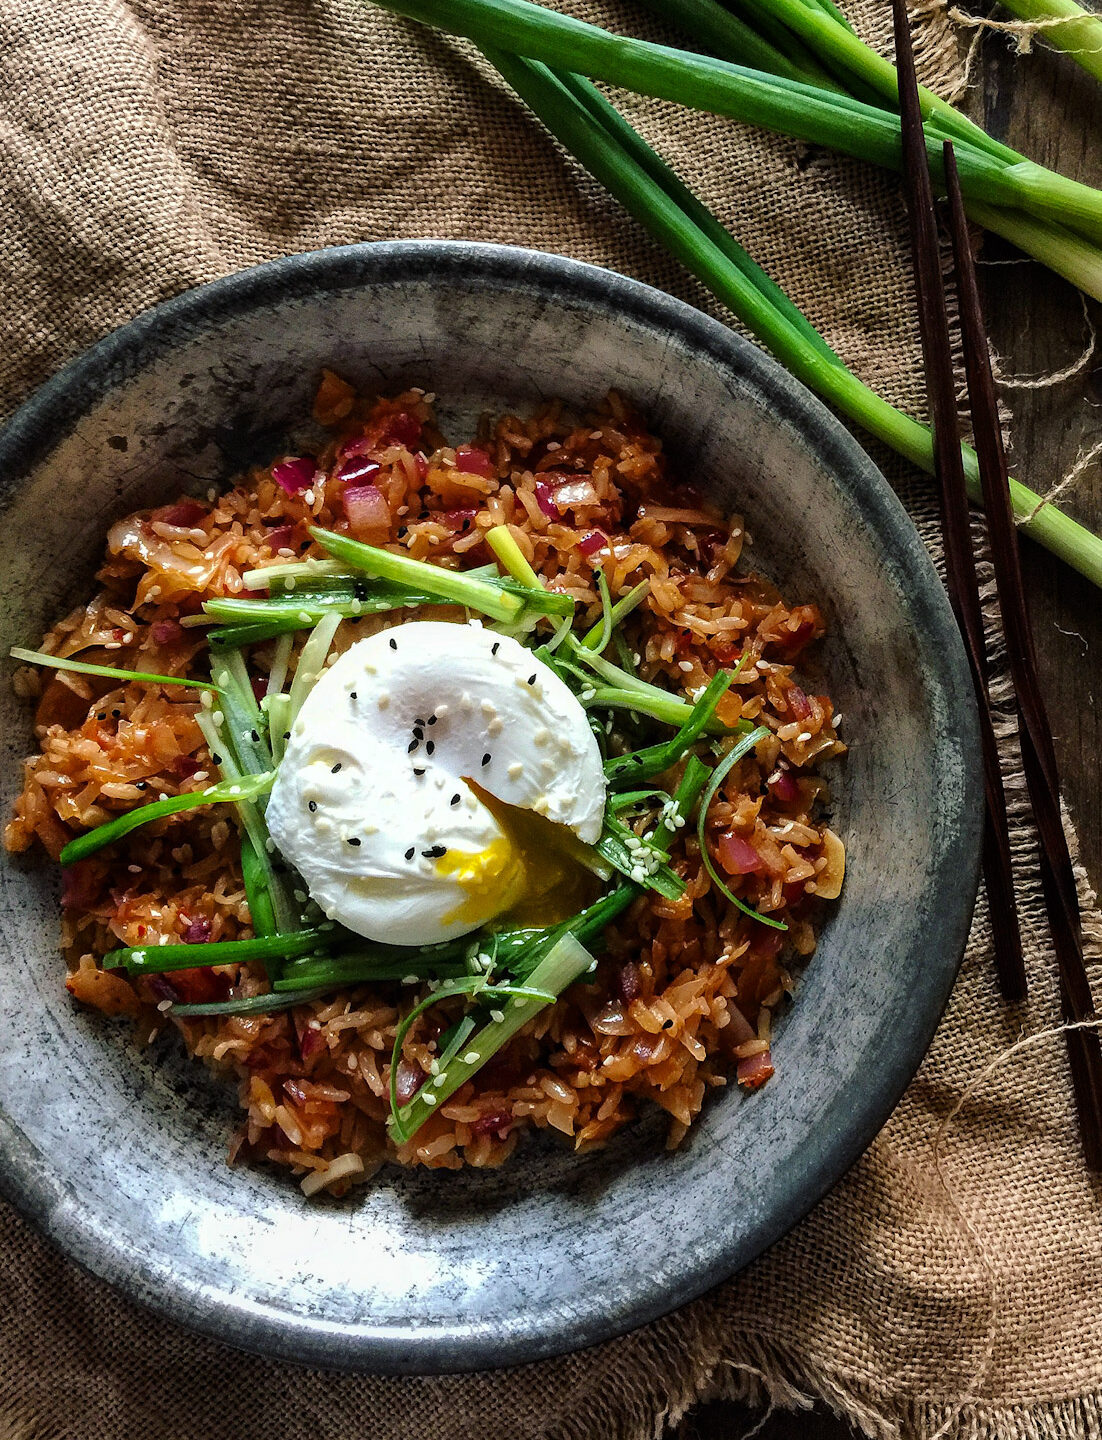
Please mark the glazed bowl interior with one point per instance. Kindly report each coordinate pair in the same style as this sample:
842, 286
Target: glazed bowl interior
120, 1154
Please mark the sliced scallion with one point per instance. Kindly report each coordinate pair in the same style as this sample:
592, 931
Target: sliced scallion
231, 792
109, 672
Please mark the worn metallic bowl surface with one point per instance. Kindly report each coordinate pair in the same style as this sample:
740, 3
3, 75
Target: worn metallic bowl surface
119, 1155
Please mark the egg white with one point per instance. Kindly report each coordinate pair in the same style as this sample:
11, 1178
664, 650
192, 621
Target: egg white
371, 803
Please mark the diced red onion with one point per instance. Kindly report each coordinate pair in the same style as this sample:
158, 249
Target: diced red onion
295, 474
494, 1122
473, 460
629, 982
184, 766
783, 787
459, 520
167, 632
79, 885
738, 856
401, 429
162, 988
545, 499
183, 515
281, 538
310, 1042
739, 1029
798, 638
755, 1070
798, 702
409, 1080
198, 931
591, 543
368, 512
294, 1092
358, 471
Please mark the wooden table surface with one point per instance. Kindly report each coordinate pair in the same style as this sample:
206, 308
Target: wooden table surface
1049, 109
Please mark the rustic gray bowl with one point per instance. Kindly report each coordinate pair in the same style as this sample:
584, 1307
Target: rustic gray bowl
119, 1155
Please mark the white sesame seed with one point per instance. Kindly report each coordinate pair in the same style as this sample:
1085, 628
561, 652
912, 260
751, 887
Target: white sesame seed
304, 616
762, 665
471, 1058
489, 708
516, 770
201, 775
541, 737
428, 1096
497, 1016
290, 583
837, 720
441, 712
218, 717
587, 694
637, 659
440, 1080
434, 1067
803, 737
308, 496
495, 726
165, 1005
383, 700
685, 666
409, 979
134, 869
206, 699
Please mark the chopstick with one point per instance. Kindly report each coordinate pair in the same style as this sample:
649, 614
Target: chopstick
1035, 732
960, 565
1038, 753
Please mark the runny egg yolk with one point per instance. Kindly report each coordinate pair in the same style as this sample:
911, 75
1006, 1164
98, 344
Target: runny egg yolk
531, 877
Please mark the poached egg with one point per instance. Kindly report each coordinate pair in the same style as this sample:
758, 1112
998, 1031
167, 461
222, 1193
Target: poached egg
439, 776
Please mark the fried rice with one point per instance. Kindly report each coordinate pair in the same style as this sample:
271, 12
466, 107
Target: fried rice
684, 993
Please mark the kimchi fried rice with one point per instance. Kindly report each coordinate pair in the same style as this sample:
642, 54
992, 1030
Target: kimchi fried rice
686, 983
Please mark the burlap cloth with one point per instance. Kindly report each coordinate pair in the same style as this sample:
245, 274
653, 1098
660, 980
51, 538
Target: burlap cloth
151, 145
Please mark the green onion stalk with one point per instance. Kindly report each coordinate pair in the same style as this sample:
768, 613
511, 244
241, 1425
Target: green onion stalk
598, 136
992, 175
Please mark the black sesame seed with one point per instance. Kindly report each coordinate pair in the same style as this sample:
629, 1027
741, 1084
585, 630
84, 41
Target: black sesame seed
353, 840
393, 643
417, 720
434, 852
141, 784
102, 715
217, 759
286, 734
352, 695
417, 772
412, 746
256, 737
409, 852
115, 714
359, 590
432, 719
486, 759
403, 531
456, 799
312, 806
335, 768
430, 746
418, 733
495, 647
667, 1024
532, 679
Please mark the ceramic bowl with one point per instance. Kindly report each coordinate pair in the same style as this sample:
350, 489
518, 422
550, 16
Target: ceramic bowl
119, 1154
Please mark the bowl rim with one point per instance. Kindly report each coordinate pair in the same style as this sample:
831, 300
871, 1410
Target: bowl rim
55, 410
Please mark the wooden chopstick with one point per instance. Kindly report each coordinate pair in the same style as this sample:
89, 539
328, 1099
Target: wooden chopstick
960, 562
1038, 753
